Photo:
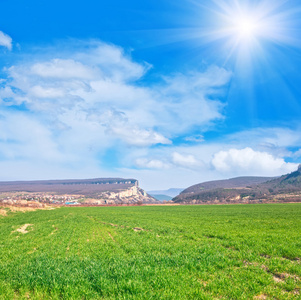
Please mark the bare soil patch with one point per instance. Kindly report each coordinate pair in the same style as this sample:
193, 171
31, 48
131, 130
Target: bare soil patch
3, 212
281, 276
261, 297
13, 208
111, 236
296, 292
23, 229
138, 229
21, 208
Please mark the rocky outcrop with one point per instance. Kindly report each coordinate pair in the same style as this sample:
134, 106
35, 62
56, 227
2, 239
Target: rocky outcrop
131, 195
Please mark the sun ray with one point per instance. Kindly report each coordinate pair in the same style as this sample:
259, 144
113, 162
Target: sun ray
234, 28
247, 23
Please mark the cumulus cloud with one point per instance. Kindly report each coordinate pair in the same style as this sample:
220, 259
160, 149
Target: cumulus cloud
248, 161
151, 163
170, 161
64, 69
86, 87
5, 40
185, 160
139, 137
114, 62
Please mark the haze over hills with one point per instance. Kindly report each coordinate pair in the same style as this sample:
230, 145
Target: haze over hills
286, 188
166, 195
161, 197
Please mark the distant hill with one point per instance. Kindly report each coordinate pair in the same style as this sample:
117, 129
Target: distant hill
98, 190
172, 192
87, 187
160, 197
238, 182
286, 188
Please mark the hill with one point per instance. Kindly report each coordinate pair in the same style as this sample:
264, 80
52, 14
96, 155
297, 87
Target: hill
286, 188
237, 182
90, 191
88, 187
288, 183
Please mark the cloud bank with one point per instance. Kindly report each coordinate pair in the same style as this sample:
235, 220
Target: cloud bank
90, 112
73, 108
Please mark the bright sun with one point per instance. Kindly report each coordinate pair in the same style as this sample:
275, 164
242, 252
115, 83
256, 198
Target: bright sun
244, 24
246, 27
246, 30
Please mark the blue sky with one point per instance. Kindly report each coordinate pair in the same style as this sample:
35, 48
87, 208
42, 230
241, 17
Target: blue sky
172, 93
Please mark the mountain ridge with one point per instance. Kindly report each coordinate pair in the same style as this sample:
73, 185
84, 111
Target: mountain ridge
95, 190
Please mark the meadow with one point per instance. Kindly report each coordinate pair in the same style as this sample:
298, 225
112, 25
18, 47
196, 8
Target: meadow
152, 252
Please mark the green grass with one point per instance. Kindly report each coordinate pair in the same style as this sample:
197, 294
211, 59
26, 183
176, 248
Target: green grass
183, 252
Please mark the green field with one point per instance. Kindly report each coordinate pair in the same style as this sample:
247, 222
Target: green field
153, 252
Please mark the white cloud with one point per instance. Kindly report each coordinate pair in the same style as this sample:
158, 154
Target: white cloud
90, 85
196, 138
100, 80
247, 161
5, 40
113, 61
64, 69
168, 160
185, 160
151, 164
296, 154
213, 77
139, 137
44, 92
192, 99
79, 106
268, 161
